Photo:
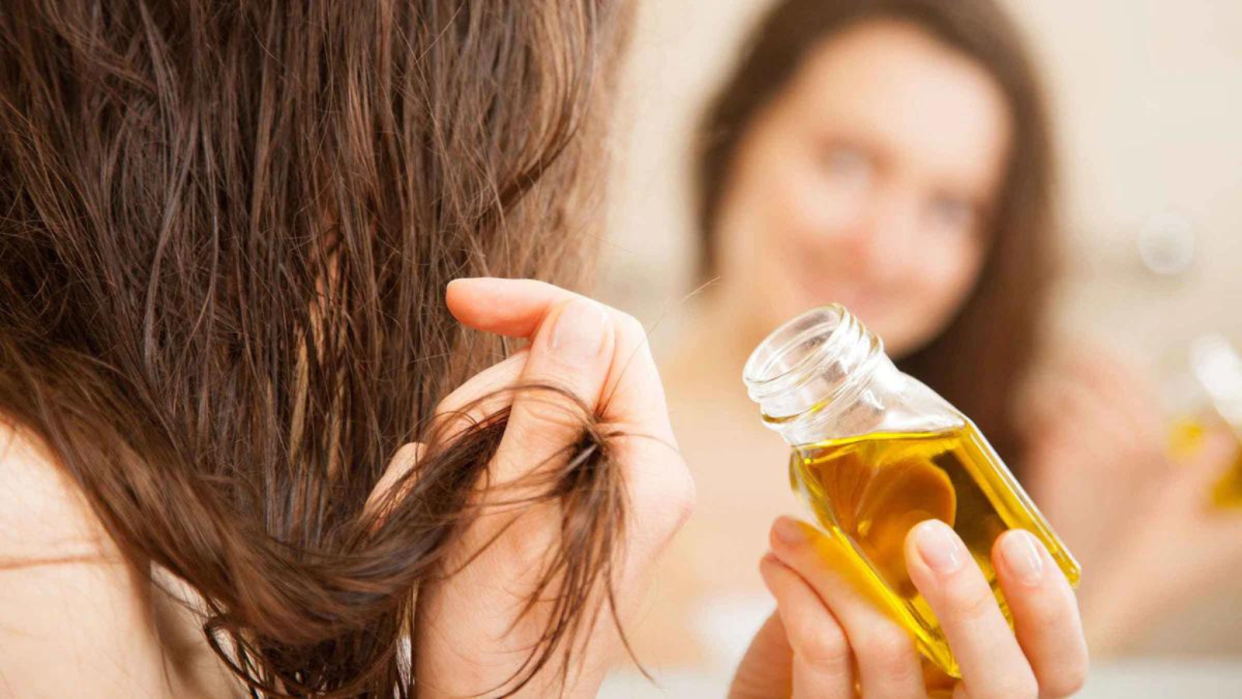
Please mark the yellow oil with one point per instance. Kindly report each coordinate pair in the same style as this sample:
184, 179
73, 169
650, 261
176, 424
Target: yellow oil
1186, 436
871, 490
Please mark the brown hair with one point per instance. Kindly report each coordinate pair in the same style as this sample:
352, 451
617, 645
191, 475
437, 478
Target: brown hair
979, 359
225, 233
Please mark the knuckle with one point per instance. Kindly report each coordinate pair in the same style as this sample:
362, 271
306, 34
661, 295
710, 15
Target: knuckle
1017, 686
629, 326
552, 411
969, 601
1067, 681
887, 649
1043, 615
407, 454
822, 646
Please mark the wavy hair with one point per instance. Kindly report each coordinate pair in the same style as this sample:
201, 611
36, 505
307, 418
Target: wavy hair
225, 233
978, 361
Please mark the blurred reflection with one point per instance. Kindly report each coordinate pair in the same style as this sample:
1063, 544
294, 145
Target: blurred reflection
896, 157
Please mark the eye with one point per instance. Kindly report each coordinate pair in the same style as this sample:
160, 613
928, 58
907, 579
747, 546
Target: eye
952, 213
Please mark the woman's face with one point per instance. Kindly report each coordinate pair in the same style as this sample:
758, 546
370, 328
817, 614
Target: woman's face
868, 181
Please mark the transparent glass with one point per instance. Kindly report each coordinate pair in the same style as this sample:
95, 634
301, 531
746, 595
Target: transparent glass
1215, 401
875, 452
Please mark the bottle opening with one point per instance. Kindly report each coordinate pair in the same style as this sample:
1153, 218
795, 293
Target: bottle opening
820, 358
793, 346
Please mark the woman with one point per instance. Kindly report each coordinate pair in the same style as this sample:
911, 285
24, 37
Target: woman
895, 156
251, 440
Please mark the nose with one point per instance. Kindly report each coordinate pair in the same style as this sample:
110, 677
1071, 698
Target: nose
882, 242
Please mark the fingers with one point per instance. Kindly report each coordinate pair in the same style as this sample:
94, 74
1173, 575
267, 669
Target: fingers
822, 664
888, 665
1122, 382
572, 350
584, 361
633, 395
572, 343
509, 307
1045, 613
483, 394
991, 661
765, 670
406, 459
613, 374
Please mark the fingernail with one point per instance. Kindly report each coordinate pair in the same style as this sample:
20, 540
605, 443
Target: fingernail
1021, 555
579, 333
788, 531
939, 547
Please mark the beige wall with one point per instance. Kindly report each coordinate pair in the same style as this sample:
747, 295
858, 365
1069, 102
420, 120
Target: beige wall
1148, 98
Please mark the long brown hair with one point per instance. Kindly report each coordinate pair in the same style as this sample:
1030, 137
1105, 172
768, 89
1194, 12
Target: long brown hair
978, 361
225, 233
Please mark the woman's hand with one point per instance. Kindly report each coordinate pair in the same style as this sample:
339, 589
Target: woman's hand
1141, 523
471, 637
1177, 548
827, 635
1095, 449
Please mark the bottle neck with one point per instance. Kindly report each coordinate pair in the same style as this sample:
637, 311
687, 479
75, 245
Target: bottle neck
819, 372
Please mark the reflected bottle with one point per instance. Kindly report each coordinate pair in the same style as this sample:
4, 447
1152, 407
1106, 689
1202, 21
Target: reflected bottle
875, 452
1217, 370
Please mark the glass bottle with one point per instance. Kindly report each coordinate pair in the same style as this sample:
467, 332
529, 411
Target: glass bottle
1216, 402
875, 452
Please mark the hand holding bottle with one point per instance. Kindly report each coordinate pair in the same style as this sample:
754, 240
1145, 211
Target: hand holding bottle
1143, 523
827, 635
876, 452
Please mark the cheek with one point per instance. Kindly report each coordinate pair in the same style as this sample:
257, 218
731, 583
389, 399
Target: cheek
787, 206
788, 201
947, 274
769, 220
950, 275
819, 213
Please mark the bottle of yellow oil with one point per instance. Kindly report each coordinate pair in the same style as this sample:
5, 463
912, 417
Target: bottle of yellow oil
875, 452
1217, 370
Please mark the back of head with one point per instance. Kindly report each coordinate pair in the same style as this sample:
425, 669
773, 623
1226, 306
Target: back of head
979, 358
225, 232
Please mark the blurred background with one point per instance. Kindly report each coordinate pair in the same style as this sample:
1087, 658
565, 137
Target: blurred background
1146, 99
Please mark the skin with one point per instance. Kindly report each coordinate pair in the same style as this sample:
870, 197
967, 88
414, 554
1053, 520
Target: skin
601, 355
824, 637
1048, 654
597, 352
1140, 521
867, 181
470, 640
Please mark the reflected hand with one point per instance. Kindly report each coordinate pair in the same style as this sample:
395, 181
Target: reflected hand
1141, 523
1178, 547
827, 636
